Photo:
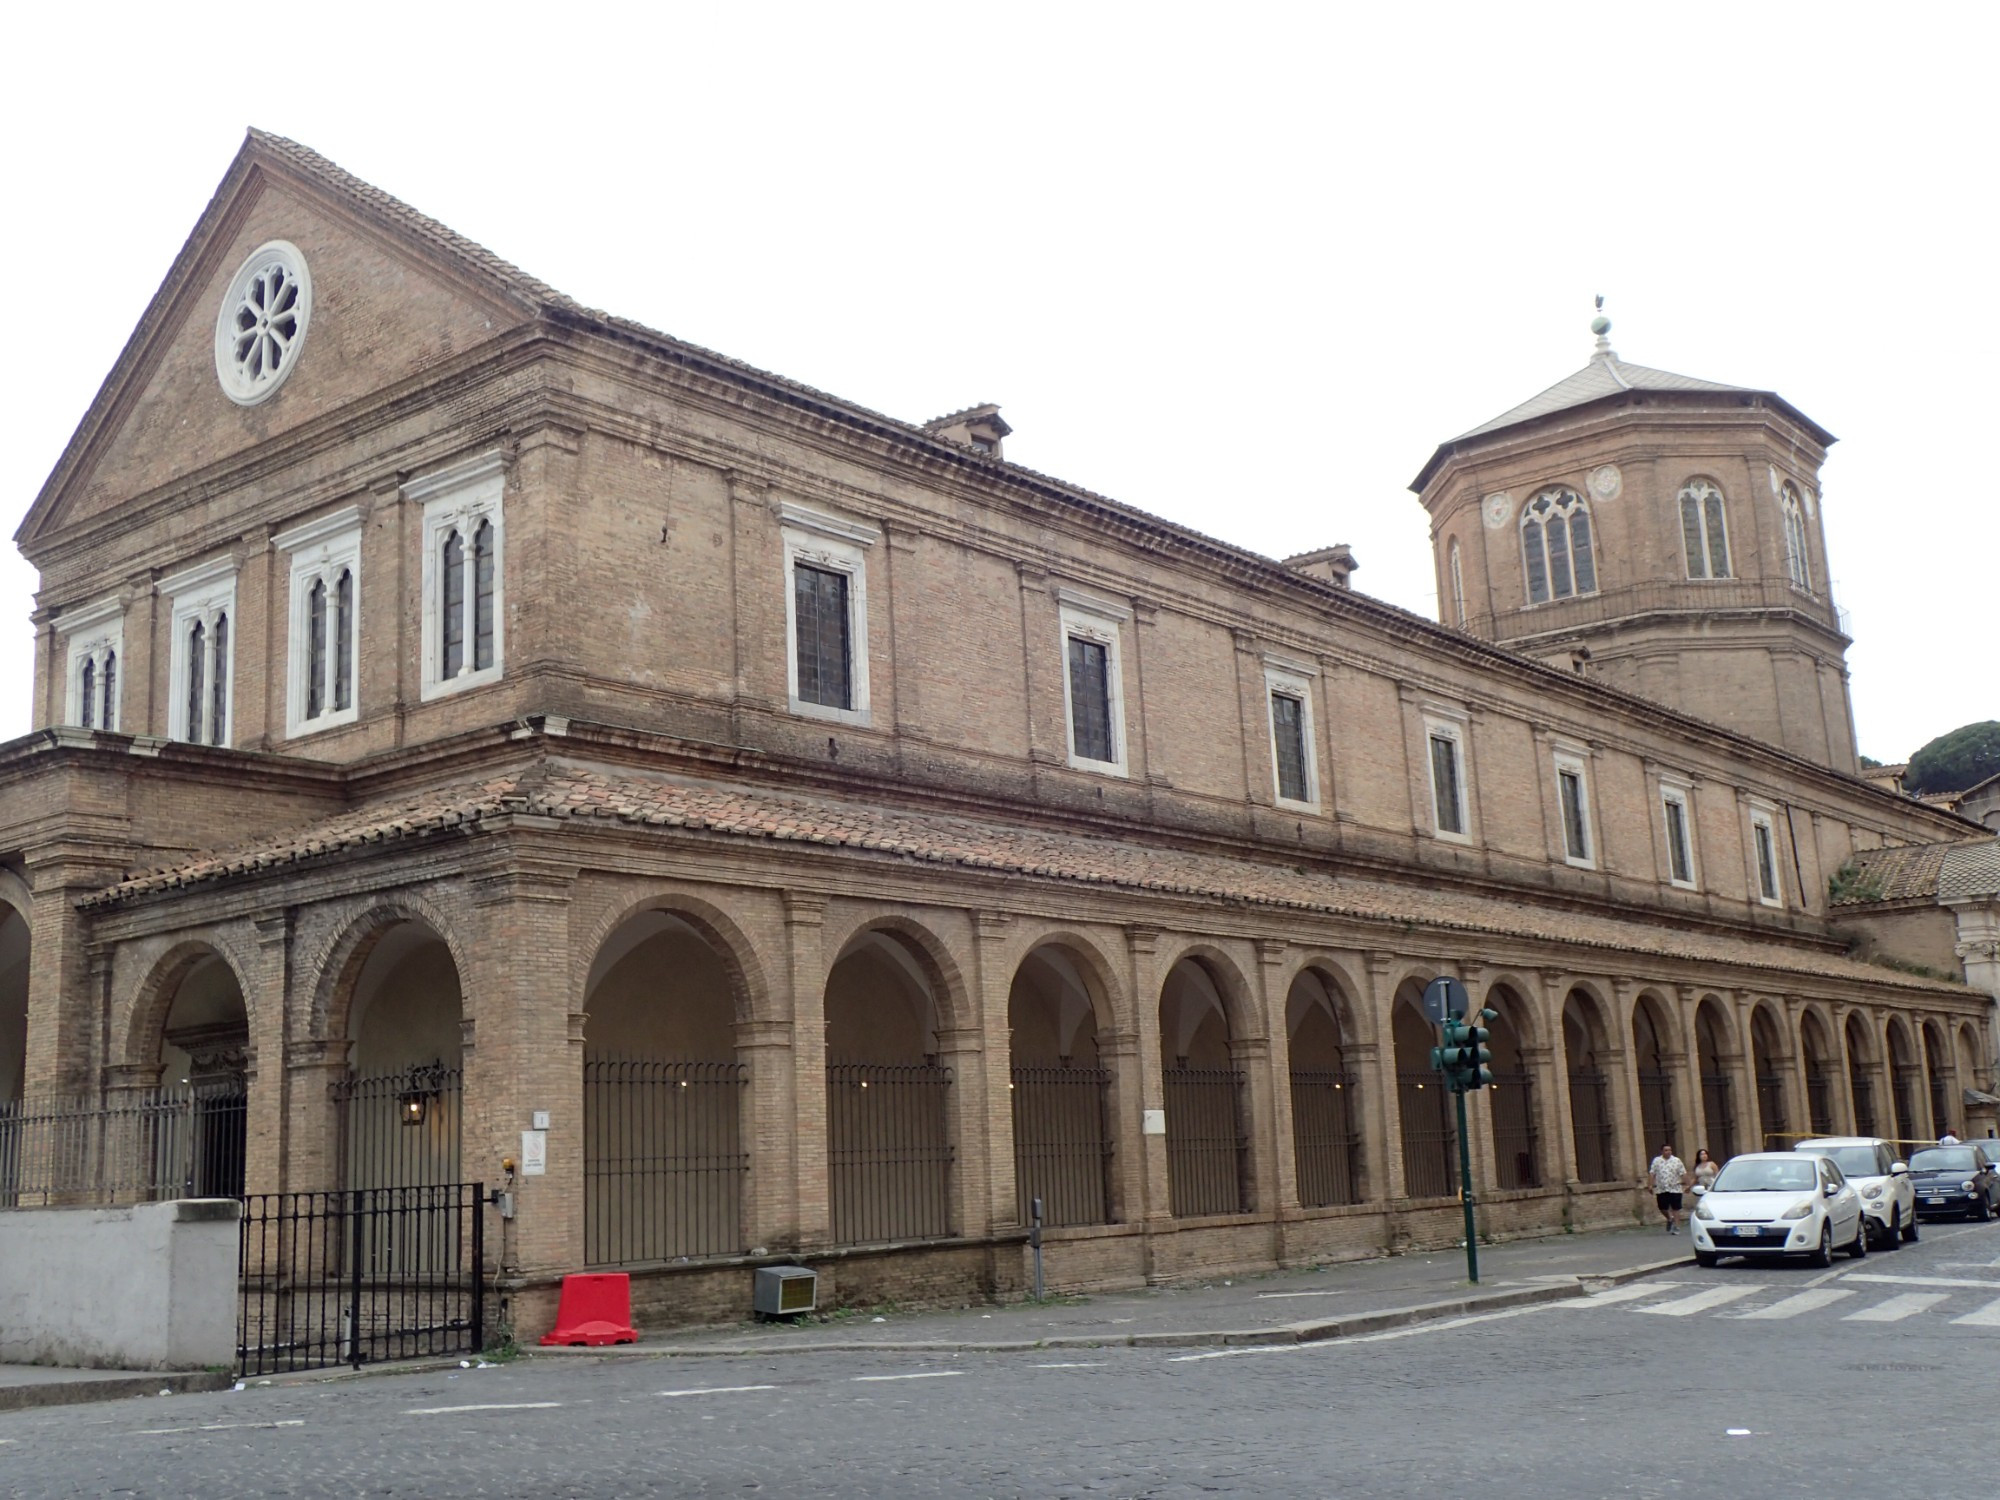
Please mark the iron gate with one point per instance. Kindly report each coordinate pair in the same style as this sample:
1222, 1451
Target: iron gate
356, 1277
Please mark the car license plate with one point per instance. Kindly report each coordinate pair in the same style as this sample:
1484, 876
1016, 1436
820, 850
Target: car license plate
1935, 1202
1748, 1231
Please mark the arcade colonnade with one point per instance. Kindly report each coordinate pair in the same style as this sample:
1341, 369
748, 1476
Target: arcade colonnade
730, 1072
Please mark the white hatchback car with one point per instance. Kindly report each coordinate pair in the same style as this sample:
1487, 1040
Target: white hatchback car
1882, 1179
1779, 1203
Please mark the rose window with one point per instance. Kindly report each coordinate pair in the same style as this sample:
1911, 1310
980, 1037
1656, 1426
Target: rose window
262, 323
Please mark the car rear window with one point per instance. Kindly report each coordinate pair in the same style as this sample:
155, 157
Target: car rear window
1942, 1159
1855, 1161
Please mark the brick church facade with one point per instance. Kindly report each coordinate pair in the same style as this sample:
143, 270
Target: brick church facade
495, 741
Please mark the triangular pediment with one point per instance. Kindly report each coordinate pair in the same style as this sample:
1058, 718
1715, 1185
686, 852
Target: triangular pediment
393, 294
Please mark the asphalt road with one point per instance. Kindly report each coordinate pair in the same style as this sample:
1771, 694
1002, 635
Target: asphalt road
1874, 1378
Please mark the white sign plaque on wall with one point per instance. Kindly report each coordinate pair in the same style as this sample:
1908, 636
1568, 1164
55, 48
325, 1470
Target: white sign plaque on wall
534, 1153
1155, 1122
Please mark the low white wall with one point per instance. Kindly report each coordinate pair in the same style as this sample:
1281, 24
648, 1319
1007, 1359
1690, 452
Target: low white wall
152, 1287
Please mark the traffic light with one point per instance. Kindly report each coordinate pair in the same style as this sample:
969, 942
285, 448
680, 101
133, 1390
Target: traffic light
1463, 1056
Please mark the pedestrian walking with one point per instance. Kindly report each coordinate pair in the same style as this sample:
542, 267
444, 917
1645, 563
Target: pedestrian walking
1705, 1169
1669, 1175
1947, 1139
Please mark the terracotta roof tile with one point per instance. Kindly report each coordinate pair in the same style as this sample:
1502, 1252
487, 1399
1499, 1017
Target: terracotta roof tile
938, 839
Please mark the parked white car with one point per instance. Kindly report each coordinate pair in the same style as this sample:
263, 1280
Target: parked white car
1779, 1203
1881, 1178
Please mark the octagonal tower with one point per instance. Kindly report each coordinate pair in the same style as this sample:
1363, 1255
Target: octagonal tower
1658, 532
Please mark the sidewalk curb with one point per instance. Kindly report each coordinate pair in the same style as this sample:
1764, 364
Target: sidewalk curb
115, 1388
1318, 1331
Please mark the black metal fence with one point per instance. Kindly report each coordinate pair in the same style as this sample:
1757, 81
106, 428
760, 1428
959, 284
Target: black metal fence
1903, 1083
400, 1129
663, 1159
1062, 1144
1208, 1146
1656, 1112
1940, 1102
1326, 1137
350, 1278
1863, 1088
888, 1147
1718, 1107
136, 1148
1517, 1145
1430, 1136
1819, 1100
1771, 1111
1591, 1127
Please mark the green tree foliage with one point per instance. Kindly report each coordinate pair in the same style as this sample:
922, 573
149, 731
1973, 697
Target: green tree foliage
1952, 762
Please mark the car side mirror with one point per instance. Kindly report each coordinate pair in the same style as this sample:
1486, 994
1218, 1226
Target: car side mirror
1899, 1169
1699, 1190
1831, 1190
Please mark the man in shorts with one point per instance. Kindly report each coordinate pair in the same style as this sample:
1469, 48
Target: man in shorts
1669, 1176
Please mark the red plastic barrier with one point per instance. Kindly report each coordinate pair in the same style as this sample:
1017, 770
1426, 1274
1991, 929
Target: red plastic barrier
595, 1309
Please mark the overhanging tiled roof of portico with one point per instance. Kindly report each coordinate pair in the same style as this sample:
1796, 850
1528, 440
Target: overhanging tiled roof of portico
588, 797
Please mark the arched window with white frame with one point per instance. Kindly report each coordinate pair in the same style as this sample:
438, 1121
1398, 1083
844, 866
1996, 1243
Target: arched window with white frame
92, 638
1704, 529
1798, 558
462, 574
1557, 547
202, 601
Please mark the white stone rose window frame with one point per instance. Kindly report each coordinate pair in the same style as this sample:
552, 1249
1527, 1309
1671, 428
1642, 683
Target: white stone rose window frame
261, 327
93, 642
464, 584
202, 615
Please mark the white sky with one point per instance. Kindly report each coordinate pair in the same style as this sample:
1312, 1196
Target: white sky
1243, 266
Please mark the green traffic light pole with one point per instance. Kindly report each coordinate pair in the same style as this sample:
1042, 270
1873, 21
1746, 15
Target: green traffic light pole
1465, 1191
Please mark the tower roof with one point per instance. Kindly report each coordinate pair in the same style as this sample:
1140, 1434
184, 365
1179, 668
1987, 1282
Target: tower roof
1604, 378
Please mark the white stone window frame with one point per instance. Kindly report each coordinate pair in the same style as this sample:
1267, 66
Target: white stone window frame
1798, 542
1448, 724
1679, 791
205, 593
319, 550
1085, 617
1287, 678
240, 387
1764, 815
1573, 760
91, 634
1456, 565
826, 541
459, 498
1700, 489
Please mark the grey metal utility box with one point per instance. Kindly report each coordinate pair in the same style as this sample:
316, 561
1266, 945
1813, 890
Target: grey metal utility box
785, 1291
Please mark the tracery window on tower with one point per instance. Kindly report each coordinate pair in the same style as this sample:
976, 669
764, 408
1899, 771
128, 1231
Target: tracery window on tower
1704, 529
1798, 559
1457, 572
1557, 546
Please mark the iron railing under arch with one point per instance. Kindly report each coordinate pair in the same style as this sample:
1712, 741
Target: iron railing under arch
1718, 1108
142, 1147
1326, 1137
1208, 1145
1656, 1112
1863, 1089
663, 1160
1904, 1080
1517, 1142
1590, 1126
1819, 1099
1062, 1143
1771, 1111
1430, 1136
889, 1155
1940, 1102
400, 1129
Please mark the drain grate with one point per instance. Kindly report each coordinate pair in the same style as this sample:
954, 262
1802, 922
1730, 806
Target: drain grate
1896, 1369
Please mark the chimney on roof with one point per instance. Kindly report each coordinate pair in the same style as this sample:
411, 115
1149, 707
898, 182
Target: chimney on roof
1332, 565
979, 428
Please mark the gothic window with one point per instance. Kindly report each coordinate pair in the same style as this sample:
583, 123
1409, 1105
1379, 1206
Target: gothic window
463, 577
201, 601
1457, 569
325, 561
1703, 530
1557, 546
1798, 559
94, 635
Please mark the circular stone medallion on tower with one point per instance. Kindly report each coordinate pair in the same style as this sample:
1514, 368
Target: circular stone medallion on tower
1497, 509
1606, 482
262, 323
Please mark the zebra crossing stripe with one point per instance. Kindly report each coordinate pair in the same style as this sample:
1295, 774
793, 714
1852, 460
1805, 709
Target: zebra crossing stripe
1621, 1294
1717, 1296
1987, 1316
1799, 1302
1895, 1309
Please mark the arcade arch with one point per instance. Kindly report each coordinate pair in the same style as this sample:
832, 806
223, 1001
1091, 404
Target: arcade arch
1060, 1090
198, 1149
13, 1007
1584, 1048
1861, 1075
1651, 1052
1767, 1059
1430, 1130
1208, 1124
1905, 1080
1326, 1100
1718, 1089
400, 1108
1517, 1144
1816, 1047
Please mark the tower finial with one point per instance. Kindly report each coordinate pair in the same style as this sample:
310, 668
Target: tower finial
1601, 326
